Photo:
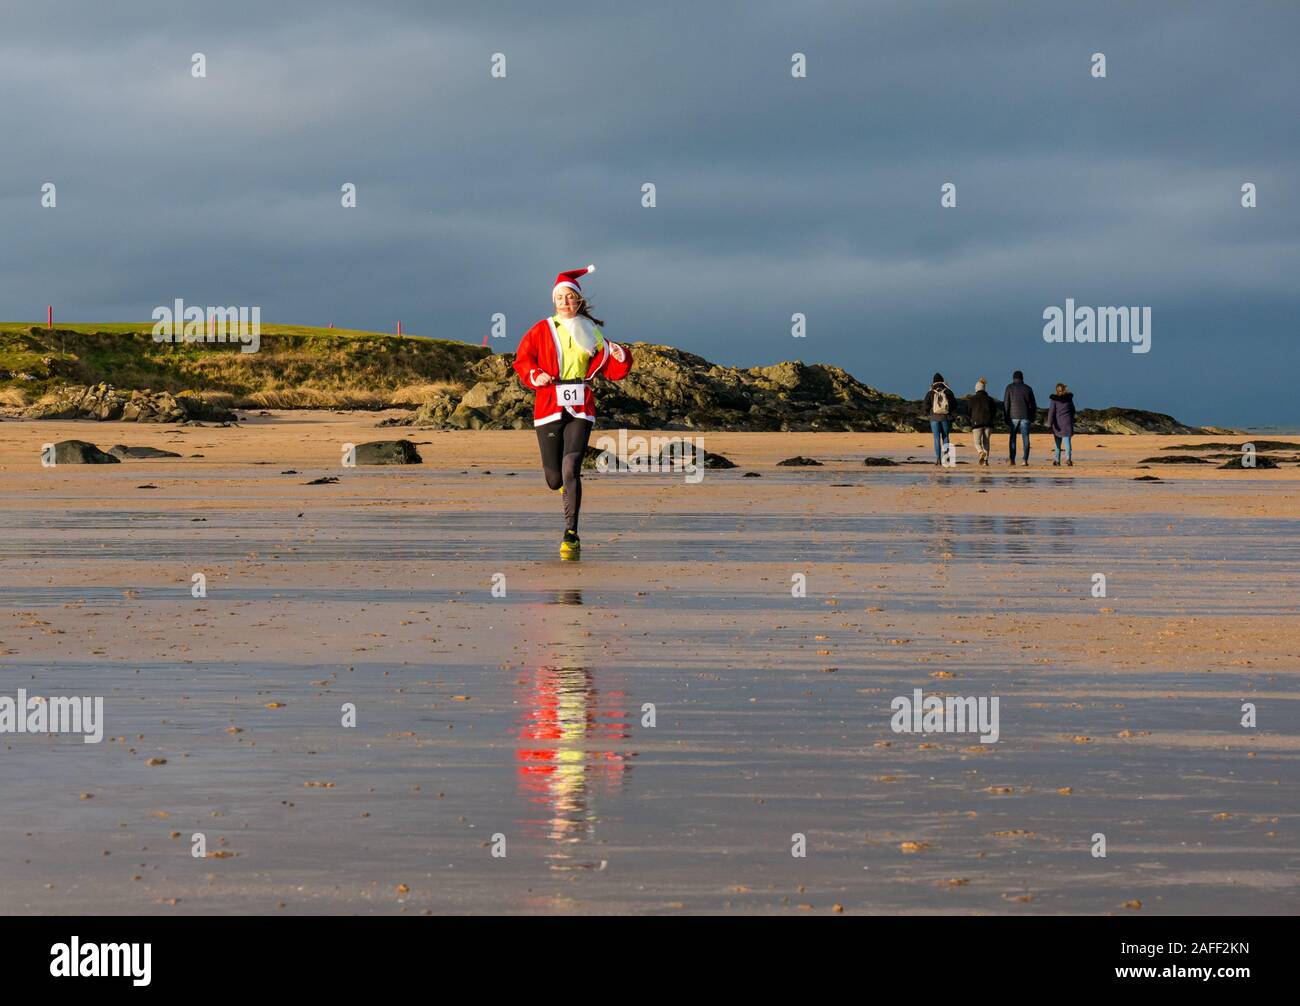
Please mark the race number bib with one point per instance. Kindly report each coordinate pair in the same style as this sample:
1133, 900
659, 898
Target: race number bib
571, 395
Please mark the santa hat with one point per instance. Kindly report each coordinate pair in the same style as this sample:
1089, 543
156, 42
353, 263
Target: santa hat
570, 278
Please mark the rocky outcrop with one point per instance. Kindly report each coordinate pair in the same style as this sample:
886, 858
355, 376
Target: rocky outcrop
496, 400
104, 403
669, 389
1125, 421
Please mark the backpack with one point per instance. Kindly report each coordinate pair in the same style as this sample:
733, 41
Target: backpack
939, 405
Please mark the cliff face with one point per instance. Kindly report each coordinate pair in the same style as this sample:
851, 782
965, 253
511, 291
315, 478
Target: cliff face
669, 389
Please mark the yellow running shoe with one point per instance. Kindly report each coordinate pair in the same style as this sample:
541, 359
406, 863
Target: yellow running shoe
570, 546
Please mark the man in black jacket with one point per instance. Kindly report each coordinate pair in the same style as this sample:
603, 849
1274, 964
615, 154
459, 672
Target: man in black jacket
1021, 409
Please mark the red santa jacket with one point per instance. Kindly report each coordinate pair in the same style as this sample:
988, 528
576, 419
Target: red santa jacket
539, 353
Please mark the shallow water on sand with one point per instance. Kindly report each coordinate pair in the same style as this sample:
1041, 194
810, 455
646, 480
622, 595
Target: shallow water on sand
334, 535
526, 716
1204, 596
698, 813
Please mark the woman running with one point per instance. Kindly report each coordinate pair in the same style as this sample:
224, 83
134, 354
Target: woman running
557, 358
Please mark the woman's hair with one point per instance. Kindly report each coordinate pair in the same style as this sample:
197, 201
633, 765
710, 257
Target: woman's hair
1060, 389
584, 309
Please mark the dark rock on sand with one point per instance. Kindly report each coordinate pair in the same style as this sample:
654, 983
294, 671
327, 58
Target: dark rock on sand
799, 461
1175, 459
667, 459
78, 452
324, 480
1228, 456
712, 461
1146, 478
1260, 462
123, 451
388, 452
1260, 445
879, 463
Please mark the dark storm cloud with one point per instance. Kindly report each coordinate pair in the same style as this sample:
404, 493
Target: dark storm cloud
775, 195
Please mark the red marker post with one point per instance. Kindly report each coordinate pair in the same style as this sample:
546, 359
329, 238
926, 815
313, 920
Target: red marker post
399, 328
49, 318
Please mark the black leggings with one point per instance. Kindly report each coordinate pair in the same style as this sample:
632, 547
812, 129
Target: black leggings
564, 442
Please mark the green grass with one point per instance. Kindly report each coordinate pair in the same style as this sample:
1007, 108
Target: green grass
353, 365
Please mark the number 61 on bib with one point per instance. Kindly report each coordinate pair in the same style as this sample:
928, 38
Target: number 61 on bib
571, 394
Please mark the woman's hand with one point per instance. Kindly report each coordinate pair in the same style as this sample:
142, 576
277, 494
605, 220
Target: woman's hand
542, 379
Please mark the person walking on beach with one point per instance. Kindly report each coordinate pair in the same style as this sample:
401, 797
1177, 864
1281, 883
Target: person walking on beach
983, 412
940, 404
1060, 419
557, 358
1021, 409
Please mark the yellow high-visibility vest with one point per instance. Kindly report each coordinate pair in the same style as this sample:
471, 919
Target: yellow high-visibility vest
573, 361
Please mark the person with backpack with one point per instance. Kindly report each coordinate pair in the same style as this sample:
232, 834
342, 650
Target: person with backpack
1060, 419
983, 412
939, 407
1021, 409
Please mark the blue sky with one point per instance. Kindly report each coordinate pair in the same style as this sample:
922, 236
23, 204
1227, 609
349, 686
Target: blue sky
775, 195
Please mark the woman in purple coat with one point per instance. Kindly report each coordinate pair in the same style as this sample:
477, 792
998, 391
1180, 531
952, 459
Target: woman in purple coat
1060, 419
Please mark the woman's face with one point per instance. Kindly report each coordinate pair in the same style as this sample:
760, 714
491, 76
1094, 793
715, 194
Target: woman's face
567, 302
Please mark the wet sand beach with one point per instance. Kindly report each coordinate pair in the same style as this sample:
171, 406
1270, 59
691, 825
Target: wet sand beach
522, 719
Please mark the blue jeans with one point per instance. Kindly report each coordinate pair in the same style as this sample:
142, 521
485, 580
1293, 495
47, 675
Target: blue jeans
1023, 426
940, 427
1068, 455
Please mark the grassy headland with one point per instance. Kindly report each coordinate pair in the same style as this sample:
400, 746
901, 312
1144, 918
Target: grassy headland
296, 366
